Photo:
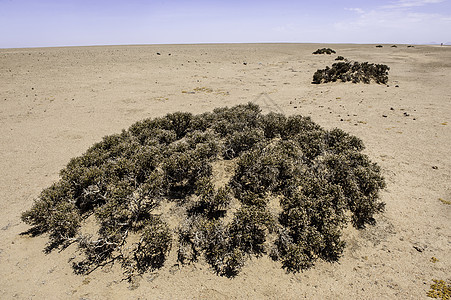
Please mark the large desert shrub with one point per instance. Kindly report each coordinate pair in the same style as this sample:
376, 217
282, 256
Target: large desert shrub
324, 51
123, 184
352, 71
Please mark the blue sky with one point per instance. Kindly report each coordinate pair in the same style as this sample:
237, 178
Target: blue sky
36, 23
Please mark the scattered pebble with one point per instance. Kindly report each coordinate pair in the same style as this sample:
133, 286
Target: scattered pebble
6, 227
418, 248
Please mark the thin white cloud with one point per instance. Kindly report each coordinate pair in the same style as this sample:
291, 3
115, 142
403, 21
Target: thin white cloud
356, 9
400, 21
411, 3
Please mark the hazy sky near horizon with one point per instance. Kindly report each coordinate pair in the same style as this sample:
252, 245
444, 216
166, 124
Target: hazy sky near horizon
37, 23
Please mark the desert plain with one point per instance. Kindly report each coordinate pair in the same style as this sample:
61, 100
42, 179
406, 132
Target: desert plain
57, 102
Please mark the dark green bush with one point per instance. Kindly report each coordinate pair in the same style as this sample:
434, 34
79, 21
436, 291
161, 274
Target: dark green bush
318, 176
242, 141
228, 121
247, 231
313, 218
352, 71
324, 51
182, 169
224, 247
265, 170
211, 203
40, 214
153, 246
179, 122
200, 235
273, 124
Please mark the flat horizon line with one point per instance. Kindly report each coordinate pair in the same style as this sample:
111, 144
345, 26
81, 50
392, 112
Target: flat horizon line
219, 43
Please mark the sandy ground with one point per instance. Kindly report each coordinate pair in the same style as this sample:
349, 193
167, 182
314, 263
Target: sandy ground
56, 102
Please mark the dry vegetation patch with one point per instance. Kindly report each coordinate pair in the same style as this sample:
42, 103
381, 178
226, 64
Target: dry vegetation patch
440, 290
352, 71
324, 51
320, 178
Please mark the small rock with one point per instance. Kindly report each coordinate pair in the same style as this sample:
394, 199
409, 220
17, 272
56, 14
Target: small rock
174, 269
245, 63
152, 277
6, 227
391, 108
396, 85
384, 116
158, 53
435, 167
418, 248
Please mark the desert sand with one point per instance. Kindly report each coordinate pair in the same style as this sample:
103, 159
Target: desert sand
56, 102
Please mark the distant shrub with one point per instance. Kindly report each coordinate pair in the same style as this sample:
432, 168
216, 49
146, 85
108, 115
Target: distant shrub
379, 46
352, 71
320, 178
340, 58
324, 51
